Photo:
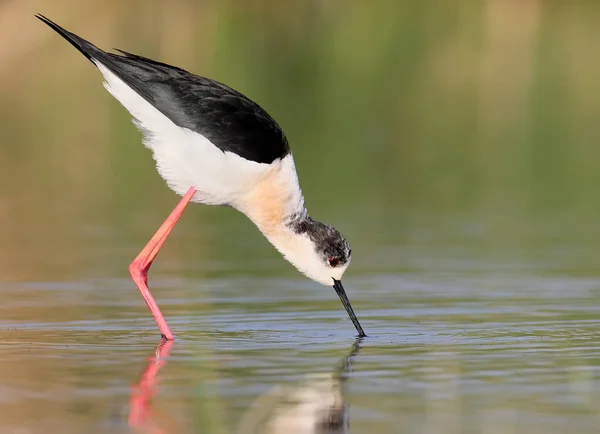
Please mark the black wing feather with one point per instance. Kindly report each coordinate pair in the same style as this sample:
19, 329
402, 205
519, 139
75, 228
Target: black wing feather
230, 120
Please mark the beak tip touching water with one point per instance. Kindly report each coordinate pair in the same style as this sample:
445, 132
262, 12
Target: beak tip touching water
339, 289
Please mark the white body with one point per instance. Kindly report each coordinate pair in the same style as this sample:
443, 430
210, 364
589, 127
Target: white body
269, 194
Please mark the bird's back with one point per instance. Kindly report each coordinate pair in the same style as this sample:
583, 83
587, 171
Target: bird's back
202, 132
227, 118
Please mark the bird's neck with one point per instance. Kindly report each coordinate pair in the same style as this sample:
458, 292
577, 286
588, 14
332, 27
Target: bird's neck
292, 241
275, 202
283, 233
281, 219
280, 212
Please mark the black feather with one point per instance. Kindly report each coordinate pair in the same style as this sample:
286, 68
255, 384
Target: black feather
328, 241
230, 120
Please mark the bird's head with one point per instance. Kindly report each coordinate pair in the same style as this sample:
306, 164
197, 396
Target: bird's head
320, 252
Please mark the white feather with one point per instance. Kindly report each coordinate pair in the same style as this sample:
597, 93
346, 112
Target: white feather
185, 158
269, 194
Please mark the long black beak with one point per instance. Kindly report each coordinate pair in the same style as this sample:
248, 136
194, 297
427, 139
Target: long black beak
337, 285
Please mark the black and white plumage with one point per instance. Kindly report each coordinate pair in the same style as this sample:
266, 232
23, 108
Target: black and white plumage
207, 136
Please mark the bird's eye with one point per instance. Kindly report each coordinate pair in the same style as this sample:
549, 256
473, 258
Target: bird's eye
334, 262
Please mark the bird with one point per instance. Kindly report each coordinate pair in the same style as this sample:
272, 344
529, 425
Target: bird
215, 146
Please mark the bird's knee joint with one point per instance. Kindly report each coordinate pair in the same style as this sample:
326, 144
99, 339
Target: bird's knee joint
136, 268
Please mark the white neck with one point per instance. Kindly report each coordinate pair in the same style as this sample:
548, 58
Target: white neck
275, 199
272, 204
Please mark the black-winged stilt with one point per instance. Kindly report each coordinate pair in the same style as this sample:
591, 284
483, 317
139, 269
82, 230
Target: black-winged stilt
213, 145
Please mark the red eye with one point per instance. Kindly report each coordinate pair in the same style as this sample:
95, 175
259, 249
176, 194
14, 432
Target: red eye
334, 262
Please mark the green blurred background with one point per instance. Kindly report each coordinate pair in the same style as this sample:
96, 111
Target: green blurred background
477, 106
393, 108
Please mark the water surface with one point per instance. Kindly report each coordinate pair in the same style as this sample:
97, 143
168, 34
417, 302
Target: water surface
461, 339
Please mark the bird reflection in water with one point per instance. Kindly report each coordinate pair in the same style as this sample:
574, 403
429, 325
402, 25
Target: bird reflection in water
314, 406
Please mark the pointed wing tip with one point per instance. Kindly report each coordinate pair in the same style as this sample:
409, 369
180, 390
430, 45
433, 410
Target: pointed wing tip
43, 19
48, 21
51, 23
86, 48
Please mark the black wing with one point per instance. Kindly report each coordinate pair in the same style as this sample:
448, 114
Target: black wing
231, 121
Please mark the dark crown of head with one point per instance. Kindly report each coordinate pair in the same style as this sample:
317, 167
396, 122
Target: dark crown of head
328, 241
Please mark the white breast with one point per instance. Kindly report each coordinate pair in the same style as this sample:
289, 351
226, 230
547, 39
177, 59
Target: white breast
185, 158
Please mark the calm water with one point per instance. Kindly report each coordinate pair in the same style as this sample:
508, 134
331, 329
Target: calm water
462, 338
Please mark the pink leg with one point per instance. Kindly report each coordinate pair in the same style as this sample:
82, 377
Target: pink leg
140, 265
